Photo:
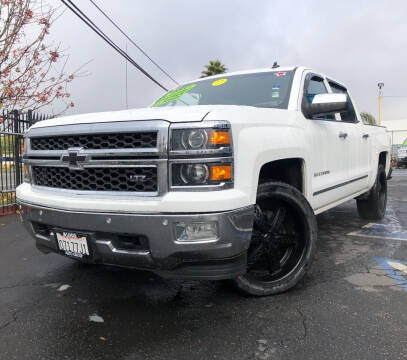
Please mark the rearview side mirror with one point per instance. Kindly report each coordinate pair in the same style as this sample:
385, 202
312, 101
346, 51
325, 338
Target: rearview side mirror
323, 104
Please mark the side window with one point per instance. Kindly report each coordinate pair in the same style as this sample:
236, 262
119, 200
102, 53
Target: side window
316, 86
350, 115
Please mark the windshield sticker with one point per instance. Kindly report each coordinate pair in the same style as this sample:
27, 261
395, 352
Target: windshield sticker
219, 82
174, 95
276, 87
275, 94
281, 73
405, 143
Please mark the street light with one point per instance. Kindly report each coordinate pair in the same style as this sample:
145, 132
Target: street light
380, 86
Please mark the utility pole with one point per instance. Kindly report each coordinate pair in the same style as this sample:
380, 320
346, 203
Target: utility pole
380, 86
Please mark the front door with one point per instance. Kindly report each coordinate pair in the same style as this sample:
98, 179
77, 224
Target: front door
330, 151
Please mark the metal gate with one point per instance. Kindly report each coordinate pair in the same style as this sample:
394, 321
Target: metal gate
13, 125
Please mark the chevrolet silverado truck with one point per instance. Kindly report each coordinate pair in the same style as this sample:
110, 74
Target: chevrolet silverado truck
221, 178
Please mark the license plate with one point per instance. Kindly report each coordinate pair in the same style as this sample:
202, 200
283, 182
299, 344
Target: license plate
73, 244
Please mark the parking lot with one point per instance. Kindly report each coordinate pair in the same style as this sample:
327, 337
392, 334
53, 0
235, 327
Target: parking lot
351, 305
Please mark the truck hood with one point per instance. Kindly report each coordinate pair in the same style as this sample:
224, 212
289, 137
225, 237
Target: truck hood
171, 114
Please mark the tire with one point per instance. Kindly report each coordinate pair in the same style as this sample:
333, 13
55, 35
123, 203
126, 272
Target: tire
283, 242
374, 206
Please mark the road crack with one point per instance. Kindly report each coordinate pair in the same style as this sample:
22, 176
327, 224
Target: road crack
14, 314
304, 323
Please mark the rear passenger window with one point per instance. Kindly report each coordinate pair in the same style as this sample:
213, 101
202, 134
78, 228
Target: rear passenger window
350, 115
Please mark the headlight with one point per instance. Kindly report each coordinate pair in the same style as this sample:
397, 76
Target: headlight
194, 139
189, 174
194, 173
216, 137
201, 156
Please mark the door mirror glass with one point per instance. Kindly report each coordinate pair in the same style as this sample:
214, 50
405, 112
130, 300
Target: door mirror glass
323, 104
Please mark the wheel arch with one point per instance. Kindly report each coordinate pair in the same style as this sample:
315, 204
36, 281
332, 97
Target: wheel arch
384, 159
289, 170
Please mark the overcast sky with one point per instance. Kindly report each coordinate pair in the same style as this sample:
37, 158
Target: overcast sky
360, 43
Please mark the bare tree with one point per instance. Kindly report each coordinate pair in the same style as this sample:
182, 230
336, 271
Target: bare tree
32, 71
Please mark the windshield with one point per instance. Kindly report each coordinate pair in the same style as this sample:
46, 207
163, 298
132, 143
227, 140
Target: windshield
268, 90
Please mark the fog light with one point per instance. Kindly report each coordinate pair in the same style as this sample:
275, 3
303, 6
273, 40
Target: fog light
197, 231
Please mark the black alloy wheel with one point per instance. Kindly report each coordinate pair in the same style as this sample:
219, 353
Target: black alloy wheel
283, 241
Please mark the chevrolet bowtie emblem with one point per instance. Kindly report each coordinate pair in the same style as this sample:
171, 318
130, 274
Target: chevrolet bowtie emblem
74, 158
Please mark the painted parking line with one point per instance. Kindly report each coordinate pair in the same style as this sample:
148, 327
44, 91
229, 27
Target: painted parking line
395, 269
381, 231
398, 266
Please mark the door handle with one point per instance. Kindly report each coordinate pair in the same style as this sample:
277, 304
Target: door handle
365, 136
343, 135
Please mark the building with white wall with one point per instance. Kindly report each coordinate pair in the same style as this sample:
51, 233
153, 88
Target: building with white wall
398, 132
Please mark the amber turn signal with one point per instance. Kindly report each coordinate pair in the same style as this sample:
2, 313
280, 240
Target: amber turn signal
219, 138
221, 172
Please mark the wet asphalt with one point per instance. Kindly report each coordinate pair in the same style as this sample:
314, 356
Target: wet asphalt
347, 307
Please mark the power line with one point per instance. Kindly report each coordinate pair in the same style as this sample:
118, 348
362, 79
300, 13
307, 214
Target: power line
132, 41
71, 6
127, 99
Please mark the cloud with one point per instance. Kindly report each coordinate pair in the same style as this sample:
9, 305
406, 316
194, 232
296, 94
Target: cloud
359, 43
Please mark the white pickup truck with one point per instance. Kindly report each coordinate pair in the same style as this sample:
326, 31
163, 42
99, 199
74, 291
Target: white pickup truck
221, 178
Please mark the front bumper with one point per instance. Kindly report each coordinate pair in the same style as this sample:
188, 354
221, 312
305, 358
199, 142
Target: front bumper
149, 240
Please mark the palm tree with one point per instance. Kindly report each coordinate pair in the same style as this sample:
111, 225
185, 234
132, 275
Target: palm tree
368, 118
214, 68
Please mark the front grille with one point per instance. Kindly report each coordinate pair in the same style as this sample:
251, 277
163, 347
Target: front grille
141, 179
96, 141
